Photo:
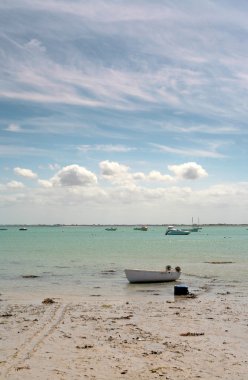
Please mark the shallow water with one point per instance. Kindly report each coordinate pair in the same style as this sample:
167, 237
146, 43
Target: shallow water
90, 261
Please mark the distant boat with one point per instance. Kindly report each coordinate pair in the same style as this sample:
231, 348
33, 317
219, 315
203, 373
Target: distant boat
142, 228
192, 229
171, 230
23, 229
146, 276
111, 228
3, 229
195, 227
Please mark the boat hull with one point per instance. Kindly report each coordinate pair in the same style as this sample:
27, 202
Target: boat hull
193, 229
144, 276
177, 232
143, 228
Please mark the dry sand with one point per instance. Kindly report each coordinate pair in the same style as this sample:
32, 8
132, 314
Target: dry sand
145, 337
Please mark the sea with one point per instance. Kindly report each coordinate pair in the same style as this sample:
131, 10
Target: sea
89, 261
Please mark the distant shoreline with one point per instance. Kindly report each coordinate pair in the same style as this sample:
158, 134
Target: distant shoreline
125, 225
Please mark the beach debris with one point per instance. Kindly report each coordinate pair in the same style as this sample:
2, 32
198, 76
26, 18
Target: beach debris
146, 290
191, 295
6, 315
159, 370
192, 334
155, 352
108, 271
124, 372
48, 301
29, 276
85, 346
140, 339
67, 336
122, 317
22, 367
224, 294
181, 290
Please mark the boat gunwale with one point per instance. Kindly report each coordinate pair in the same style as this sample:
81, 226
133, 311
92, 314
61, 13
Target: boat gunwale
172, 275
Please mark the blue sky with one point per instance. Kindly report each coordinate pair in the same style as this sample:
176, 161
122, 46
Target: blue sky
123, 111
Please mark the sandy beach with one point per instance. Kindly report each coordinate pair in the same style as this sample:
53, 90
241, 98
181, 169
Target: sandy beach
146, 337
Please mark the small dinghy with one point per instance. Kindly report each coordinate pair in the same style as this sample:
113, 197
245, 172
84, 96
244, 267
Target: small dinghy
143, 276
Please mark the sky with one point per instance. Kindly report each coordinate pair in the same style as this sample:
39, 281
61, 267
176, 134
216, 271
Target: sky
123, 112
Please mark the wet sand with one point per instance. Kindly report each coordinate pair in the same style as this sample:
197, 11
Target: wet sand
144, 337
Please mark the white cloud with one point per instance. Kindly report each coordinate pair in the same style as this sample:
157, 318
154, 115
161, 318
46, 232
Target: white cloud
121, 175
207, 129
13, 128
159, 64
15, 185
25, 173
35, 44
189, 170
45, 183
118, 174
112, 169
57, 96
53, 166
139, 176
74, 175
128, 203
18, 150
157, 176
190, 152
225, 191
105, 148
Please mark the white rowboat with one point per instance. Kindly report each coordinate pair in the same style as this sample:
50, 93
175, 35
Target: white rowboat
142, 276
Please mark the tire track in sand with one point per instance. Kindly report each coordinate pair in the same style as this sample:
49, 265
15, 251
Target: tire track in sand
49, 324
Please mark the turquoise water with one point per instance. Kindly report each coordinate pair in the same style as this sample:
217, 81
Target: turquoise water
91, 261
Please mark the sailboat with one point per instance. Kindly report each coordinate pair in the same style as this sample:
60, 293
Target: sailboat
194, 228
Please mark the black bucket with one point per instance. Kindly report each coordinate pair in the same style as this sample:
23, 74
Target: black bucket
181, 290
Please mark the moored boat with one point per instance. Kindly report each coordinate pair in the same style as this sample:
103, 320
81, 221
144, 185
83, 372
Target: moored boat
111, 229
171, 230
141, 228
195, 229
191, 229
146, 276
